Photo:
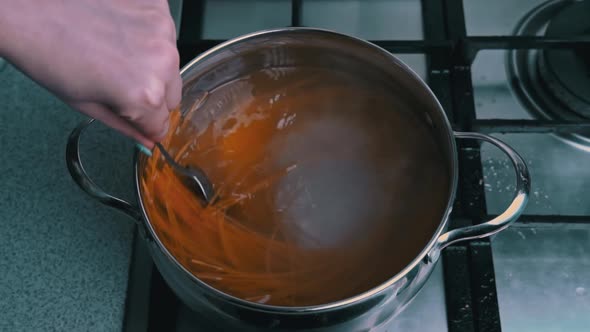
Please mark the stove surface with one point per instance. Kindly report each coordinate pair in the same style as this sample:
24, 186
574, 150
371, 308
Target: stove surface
542, 267
535, 276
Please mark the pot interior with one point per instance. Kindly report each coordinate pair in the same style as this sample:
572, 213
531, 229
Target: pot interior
330, 162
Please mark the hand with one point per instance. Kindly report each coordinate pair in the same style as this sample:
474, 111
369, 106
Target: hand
114, 60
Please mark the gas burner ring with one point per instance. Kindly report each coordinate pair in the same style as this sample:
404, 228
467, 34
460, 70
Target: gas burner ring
534, 83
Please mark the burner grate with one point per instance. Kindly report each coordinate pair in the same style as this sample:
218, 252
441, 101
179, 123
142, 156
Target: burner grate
469, 278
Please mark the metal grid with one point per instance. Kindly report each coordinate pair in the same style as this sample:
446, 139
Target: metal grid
469, 276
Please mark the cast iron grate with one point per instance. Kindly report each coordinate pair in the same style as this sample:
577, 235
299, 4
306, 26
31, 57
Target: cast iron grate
468, 267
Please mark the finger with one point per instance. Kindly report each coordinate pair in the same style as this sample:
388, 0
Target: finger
106, 116
146, 108
152, 123
174, 92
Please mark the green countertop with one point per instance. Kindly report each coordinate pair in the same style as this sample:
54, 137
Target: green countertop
64, 258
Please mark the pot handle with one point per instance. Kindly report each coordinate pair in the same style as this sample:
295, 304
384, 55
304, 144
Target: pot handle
83, 180
501, 222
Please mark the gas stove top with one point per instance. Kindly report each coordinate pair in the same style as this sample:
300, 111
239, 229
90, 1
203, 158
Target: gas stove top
516, 69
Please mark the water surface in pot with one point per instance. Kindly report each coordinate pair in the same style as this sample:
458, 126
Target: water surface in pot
328, 185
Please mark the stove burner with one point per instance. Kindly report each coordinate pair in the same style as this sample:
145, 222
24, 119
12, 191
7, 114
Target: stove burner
554, 84
567, 72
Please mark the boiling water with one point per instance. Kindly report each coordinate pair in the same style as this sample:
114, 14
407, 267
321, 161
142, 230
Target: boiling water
327, 186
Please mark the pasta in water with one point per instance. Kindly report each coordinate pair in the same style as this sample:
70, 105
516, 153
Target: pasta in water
326, 186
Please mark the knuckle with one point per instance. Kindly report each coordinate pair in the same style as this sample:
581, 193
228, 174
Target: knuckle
148, 95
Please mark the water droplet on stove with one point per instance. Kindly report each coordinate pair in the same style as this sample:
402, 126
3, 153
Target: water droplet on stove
580, 291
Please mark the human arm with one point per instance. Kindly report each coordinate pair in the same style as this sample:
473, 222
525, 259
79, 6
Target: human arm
113, 60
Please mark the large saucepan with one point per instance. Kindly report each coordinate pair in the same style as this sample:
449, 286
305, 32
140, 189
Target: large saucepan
281, 47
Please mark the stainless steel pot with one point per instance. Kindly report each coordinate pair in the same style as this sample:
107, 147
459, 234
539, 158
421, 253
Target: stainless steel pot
362, 312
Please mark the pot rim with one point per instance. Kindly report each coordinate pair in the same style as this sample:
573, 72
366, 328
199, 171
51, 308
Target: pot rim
430, 247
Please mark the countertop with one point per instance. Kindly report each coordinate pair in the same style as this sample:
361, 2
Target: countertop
64, 258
